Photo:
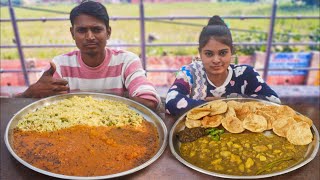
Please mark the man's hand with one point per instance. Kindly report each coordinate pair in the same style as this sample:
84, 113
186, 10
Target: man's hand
47, 85
150, 104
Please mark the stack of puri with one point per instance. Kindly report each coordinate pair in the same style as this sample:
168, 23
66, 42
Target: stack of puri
254, 116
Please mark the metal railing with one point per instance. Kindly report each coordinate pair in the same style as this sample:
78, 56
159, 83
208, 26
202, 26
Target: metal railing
143, 44
171, 18
164, 44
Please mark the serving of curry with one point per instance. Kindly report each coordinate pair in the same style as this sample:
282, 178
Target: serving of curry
87, 151
81, 144
243, 154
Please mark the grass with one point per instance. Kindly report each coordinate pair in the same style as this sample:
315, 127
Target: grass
57, 32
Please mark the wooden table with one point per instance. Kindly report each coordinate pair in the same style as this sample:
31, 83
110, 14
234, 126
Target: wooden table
166, 167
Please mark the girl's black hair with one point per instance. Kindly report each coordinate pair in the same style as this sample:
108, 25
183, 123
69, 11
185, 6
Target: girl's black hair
91, 8
218, 30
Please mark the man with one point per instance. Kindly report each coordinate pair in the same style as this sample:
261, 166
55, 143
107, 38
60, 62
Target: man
94, 67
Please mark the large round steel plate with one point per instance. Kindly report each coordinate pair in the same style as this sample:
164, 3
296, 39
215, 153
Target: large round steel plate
145, 112
179, 125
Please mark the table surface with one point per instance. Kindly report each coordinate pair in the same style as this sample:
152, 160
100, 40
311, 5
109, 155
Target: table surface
167, 166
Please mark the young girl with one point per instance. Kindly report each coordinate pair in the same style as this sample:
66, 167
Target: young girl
212, 76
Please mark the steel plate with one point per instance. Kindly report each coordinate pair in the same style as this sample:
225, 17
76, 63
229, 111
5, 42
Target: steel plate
145, 112
180, 125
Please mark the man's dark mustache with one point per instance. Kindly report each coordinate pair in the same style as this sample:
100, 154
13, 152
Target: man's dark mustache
91, 43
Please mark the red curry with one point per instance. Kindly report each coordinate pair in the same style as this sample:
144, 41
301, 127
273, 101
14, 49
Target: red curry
88, 151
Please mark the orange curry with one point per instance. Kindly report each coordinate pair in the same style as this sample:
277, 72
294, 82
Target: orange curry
86, 150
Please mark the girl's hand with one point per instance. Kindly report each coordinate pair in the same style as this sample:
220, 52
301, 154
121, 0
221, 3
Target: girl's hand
213, 98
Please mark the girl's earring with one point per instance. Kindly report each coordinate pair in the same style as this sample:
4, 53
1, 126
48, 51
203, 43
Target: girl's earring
234, 59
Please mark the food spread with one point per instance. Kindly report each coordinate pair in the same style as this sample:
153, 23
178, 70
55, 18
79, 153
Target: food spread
245, 138
85, 137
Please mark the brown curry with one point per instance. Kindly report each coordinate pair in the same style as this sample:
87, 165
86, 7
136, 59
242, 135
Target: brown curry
86, 150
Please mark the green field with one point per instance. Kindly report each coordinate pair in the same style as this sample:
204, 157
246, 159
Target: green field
57, 32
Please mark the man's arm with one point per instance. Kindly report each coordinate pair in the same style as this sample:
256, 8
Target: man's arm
139, 87
46, 85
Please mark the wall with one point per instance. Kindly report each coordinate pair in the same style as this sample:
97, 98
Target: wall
291, 77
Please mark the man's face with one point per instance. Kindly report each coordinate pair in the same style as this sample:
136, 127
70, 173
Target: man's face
90, 34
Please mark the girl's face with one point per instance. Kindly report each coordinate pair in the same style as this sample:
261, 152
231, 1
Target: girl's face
216, 57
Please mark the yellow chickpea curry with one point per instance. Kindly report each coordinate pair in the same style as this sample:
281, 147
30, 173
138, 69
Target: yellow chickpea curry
243, 154
249, 138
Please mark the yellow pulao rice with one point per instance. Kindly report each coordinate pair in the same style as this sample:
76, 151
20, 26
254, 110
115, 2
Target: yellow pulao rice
80, 111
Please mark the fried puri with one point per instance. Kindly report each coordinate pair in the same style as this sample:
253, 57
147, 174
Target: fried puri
301, 118
299, 133
255, 123
217, 107
269, 118
212, 121
232, 124
281, 125
236, 116
198, 113
192, 123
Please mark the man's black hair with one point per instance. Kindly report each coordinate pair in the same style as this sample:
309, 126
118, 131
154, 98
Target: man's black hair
91, 8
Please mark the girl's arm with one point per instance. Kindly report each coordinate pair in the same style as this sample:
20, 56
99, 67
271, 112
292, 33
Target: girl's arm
178, 99
257, 88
